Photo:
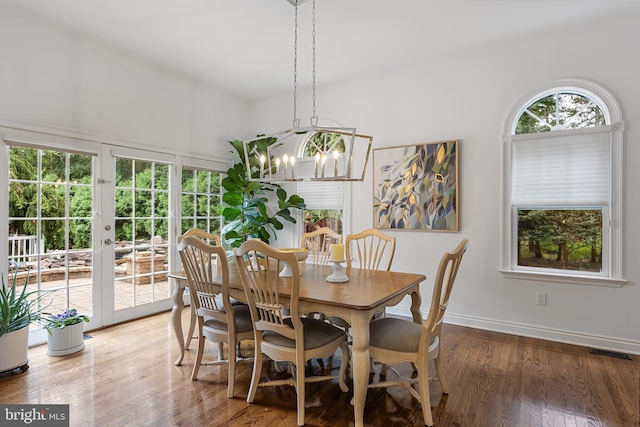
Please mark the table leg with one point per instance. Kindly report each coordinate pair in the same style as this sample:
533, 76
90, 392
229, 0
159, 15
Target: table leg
416, 302
360, 358
176, 318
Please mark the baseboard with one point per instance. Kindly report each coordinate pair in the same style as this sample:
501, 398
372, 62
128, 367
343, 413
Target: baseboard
533, 331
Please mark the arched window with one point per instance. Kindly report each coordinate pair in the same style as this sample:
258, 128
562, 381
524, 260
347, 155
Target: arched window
562, 178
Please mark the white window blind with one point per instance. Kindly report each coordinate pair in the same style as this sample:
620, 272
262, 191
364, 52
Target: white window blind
561, 171
322, 195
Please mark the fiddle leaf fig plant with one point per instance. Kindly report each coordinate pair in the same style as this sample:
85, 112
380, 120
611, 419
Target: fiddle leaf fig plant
245, 211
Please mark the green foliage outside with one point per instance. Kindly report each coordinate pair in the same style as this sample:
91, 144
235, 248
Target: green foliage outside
245, 208
24, 190
142, 192
563, 111
201, 200
142, 200
560, 238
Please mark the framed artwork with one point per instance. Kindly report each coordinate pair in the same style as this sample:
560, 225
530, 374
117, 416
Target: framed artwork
416, 187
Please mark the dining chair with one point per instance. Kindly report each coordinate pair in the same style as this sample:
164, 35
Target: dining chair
216, 322
212, 239
394, 340
279, 331
373, 250
319, 242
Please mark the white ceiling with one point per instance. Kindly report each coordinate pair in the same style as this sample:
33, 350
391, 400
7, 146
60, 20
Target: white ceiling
246, 46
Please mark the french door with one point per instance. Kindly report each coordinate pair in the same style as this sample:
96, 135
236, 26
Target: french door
135, 227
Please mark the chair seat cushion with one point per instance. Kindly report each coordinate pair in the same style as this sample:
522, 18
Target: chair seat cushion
242, 317
396, 335
316, 334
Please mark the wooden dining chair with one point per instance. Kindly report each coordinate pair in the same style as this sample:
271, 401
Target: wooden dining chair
396, 340
319, 242
221, 323
212, 239
280, 332
372, 249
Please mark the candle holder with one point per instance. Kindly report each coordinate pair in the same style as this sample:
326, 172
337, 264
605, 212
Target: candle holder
301, 255
338, 275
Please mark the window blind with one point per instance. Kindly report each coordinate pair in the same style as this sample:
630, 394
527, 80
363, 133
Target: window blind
322, 195
568, 170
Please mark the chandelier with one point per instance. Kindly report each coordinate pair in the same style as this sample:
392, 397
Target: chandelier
309, 153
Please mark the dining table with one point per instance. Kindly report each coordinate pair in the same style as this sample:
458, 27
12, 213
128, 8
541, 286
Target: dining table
357, 300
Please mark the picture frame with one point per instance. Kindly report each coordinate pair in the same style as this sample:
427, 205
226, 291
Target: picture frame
415, 187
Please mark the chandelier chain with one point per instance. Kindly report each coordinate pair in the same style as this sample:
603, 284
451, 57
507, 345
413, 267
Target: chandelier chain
295, 66
313, 49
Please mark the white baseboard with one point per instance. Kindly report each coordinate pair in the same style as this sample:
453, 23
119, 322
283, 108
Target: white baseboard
533, 331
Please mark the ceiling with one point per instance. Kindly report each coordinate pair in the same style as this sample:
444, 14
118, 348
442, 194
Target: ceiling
246, 46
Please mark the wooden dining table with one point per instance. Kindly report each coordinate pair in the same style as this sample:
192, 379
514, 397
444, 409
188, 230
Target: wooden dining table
366, 293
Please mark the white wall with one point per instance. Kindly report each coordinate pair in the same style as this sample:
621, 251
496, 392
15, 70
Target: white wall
51, 76
467, 95
56, 77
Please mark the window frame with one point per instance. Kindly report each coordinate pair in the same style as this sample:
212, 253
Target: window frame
611, 274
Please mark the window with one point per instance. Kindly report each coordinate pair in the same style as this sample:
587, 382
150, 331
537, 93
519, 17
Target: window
201, 196
324, 200
50, 224
562, 176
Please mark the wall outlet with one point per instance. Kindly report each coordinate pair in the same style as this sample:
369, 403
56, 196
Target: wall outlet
541, 298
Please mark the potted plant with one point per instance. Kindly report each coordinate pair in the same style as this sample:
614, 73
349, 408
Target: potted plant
19, 307
245, 212
65, 332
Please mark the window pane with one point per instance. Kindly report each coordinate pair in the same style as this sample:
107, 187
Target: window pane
187, 179
80, 168
143, 174
318, 218
23, 163
566, 239
53, 166
161, 177
124, 172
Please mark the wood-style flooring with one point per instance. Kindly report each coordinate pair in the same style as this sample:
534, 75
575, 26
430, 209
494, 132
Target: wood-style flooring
126, 377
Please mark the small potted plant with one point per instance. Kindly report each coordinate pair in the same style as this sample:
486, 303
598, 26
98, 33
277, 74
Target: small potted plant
65, 332
19, 307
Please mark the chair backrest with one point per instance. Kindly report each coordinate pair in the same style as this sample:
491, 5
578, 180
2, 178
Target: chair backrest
262, 285
442, 285
318, 242
212, 239
201, 262
373, 248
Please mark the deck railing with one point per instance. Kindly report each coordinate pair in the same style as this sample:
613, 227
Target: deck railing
23, 248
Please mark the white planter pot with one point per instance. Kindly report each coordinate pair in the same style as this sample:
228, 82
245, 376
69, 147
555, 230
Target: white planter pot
65, 341
13, 350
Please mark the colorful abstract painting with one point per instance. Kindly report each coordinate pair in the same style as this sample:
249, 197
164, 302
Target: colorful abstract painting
416, 187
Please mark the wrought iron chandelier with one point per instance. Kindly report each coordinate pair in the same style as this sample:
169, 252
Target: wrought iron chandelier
310, 153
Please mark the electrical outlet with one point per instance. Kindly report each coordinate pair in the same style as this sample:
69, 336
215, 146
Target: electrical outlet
541, 298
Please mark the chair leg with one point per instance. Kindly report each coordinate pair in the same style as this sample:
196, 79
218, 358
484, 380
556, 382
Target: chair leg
441, 377
257, 372
425, 399
192, 325
199, 352
344, 348
221, 351
231, 368
300, 389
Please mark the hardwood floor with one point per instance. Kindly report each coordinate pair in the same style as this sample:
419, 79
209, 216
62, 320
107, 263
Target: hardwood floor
126, 377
